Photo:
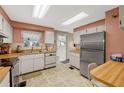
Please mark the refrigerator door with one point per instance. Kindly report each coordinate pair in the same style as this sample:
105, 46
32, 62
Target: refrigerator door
93, 41
92, 51
84, 69
92, 56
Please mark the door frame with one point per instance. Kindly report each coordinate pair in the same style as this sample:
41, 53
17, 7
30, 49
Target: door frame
62, 34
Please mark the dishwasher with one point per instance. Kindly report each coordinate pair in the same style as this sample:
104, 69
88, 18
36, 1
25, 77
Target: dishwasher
50, 60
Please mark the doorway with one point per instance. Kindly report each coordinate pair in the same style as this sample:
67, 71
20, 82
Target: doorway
61, 48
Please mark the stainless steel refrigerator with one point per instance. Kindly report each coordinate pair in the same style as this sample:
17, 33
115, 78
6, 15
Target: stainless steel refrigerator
92, 51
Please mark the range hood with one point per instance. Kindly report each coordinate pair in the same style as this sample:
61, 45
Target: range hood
2, 35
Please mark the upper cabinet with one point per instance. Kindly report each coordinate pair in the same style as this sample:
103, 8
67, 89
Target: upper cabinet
1, 23
49, 37
7, 29
121, 16
83, 32
91, 30
76, 37
101, 28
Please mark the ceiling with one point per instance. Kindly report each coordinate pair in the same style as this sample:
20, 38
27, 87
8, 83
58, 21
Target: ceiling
57, 14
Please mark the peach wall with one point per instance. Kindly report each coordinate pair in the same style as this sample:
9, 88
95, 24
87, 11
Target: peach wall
3, 13
28, 26
94, 24
17, 38
114, 35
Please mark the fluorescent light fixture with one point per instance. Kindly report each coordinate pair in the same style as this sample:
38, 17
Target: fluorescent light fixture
40, 11
75, 18
36, 11
43, 11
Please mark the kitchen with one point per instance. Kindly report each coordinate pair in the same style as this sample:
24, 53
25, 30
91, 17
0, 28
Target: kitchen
35, 55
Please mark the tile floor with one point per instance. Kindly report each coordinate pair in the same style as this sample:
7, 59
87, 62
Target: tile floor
60, 76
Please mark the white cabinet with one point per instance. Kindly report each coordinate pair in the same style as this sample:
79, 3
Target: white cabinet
49, 37
83, 32
101, 28
91, 30
76, 37
30, 63
1, 23
75, 60
121, 16
7, 29
26, 64
6, 81
38, 64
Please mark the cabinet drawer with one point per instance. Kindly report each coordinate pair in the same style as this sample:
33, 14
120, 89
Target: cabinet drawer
26, 57
39, 56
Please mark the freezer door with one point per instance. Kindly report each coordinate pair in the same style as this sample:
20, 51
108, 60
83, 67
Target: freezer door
92, 56
84, 69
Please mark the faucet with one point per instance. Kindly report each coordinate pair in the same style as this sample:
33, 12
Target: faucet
32, 47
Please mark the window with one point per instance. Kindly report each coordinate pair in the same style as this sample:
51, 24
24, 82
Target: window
31, 39
62, 40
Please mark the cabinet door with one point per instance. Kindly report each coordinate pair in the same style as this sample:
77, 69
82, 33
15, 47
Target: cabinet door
91, 30
27, 65
72, 59
38, 63
101, 28
75, 60
49, 37
76, 37
1, 23
83, 32
7, 29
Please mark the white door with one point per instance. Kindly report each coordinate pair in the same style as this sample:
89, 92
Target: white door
61, 47
27, 65
38, 64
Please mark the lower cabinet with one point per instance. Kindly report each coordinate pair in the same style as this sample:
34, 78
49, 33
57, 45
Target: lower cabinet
75, 60
6, 81
30, 63
26, 65
38, 64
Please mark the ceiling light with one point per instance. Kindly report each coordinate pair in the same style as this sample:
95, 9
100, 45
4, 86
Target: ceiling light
75, 18
36, 11
40, 11
43, 11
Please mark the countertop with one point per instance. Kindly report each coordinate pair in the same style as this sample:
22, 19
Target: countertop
3, 72
14, 55
75, 51
110, 73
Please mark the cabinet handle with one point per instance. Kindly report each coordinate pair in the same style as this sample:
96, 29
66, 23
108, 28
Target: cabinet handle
120, 22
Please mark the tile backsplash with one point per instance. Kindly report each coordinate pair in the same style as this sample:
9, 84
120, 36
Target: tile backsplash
14, 46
